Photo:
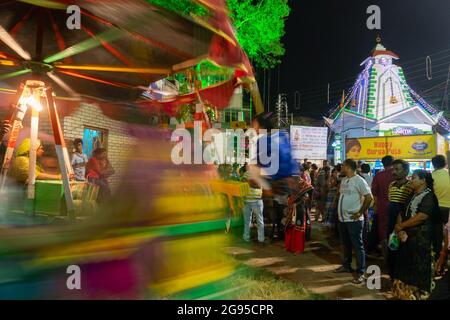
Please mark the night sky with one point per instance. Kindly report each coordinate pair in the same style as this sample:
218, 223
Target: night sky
326, 40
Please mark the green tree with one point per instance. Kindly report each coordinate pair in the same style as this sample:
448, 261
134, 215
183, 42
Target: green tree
184, 7
259, 26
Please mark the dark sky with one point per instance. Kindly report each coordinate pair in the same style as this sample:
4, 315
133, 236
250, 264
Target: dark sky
326, 40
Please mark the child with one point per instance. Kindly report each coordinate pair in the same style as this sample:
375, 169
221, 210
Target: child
253, 204
79, 160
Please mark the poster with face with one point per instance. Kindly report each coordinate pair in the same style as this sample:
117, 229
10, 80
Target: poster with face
352, 148
404, 147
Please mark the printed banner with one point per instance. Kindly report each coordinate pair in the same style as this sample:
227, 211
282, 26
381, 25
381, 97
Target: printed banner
402, 147
309, 142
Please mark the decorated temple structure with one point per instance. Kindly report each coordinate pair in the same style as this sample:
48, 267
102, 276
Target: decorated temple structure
381, 109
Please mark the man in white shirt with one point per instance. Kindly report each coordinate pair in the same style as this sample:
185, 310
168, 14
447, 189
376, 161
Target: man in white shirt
354, 200
79, 161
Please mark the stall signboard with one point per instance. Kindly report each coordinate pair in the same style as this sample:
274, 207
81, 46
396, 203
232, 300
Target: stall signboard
309, 142
442, 145
402, 147
405, 131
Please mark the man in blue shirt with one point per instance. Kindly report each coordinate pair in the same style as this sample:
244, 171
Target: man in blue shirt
274, 159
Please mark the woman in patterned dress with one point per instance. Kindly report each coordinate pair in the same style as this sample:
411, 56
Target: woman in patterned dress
413, 275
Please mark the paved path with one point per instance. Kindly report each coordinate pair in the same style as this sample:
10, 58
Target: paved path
313, 268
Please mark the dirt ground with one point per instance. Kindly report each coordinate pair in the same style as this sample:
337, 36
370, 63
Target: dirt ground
313, 268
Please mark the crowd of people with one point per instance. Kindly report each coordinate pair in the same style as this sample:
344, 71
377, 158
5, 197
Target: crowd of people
95, 170
400, 215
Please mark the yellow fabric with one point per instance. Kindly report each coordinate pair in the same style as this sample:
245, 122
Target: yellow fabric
442, 187
400, 194
24, 148
254, 194
21, 163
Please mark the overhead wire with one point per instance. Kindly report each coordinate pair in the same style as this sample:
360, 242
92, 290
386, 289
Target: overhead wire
317, 96
421, 64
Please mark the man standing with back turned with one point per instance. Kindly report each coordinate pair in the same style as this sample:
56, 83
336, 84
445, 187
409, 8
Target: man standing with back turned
380, 190
354, 200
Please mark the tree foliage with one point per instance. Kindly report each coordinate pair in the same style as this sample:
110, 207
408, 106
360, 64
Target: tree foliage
185, 7
260, 26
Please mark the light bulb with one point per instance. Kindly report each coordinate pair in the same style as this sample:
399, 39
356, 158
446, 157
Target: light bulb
32, 102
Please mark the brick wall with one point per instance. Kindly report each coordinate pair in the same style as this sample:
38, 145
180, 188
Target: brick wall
119, 144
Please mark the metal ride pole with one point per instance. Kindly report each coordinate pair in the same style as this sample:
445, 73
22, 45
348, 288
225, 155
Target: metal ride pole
61, 151
35, 109
256, 98
15, 119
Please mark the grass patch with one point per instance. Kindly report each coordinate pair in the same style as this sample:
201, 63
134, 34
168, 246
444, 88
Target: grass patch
260, 284
248, 283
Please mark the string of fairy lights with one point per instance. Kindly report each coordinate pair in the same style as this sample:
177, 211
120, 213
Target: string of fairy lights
318, 95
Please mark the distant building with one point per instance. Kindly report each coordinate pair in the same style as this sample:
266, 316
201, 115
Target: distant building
381, 103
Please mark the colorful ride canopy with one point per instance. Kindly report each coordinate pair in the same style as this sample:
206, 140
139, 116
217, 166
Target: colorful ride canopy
120, 48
